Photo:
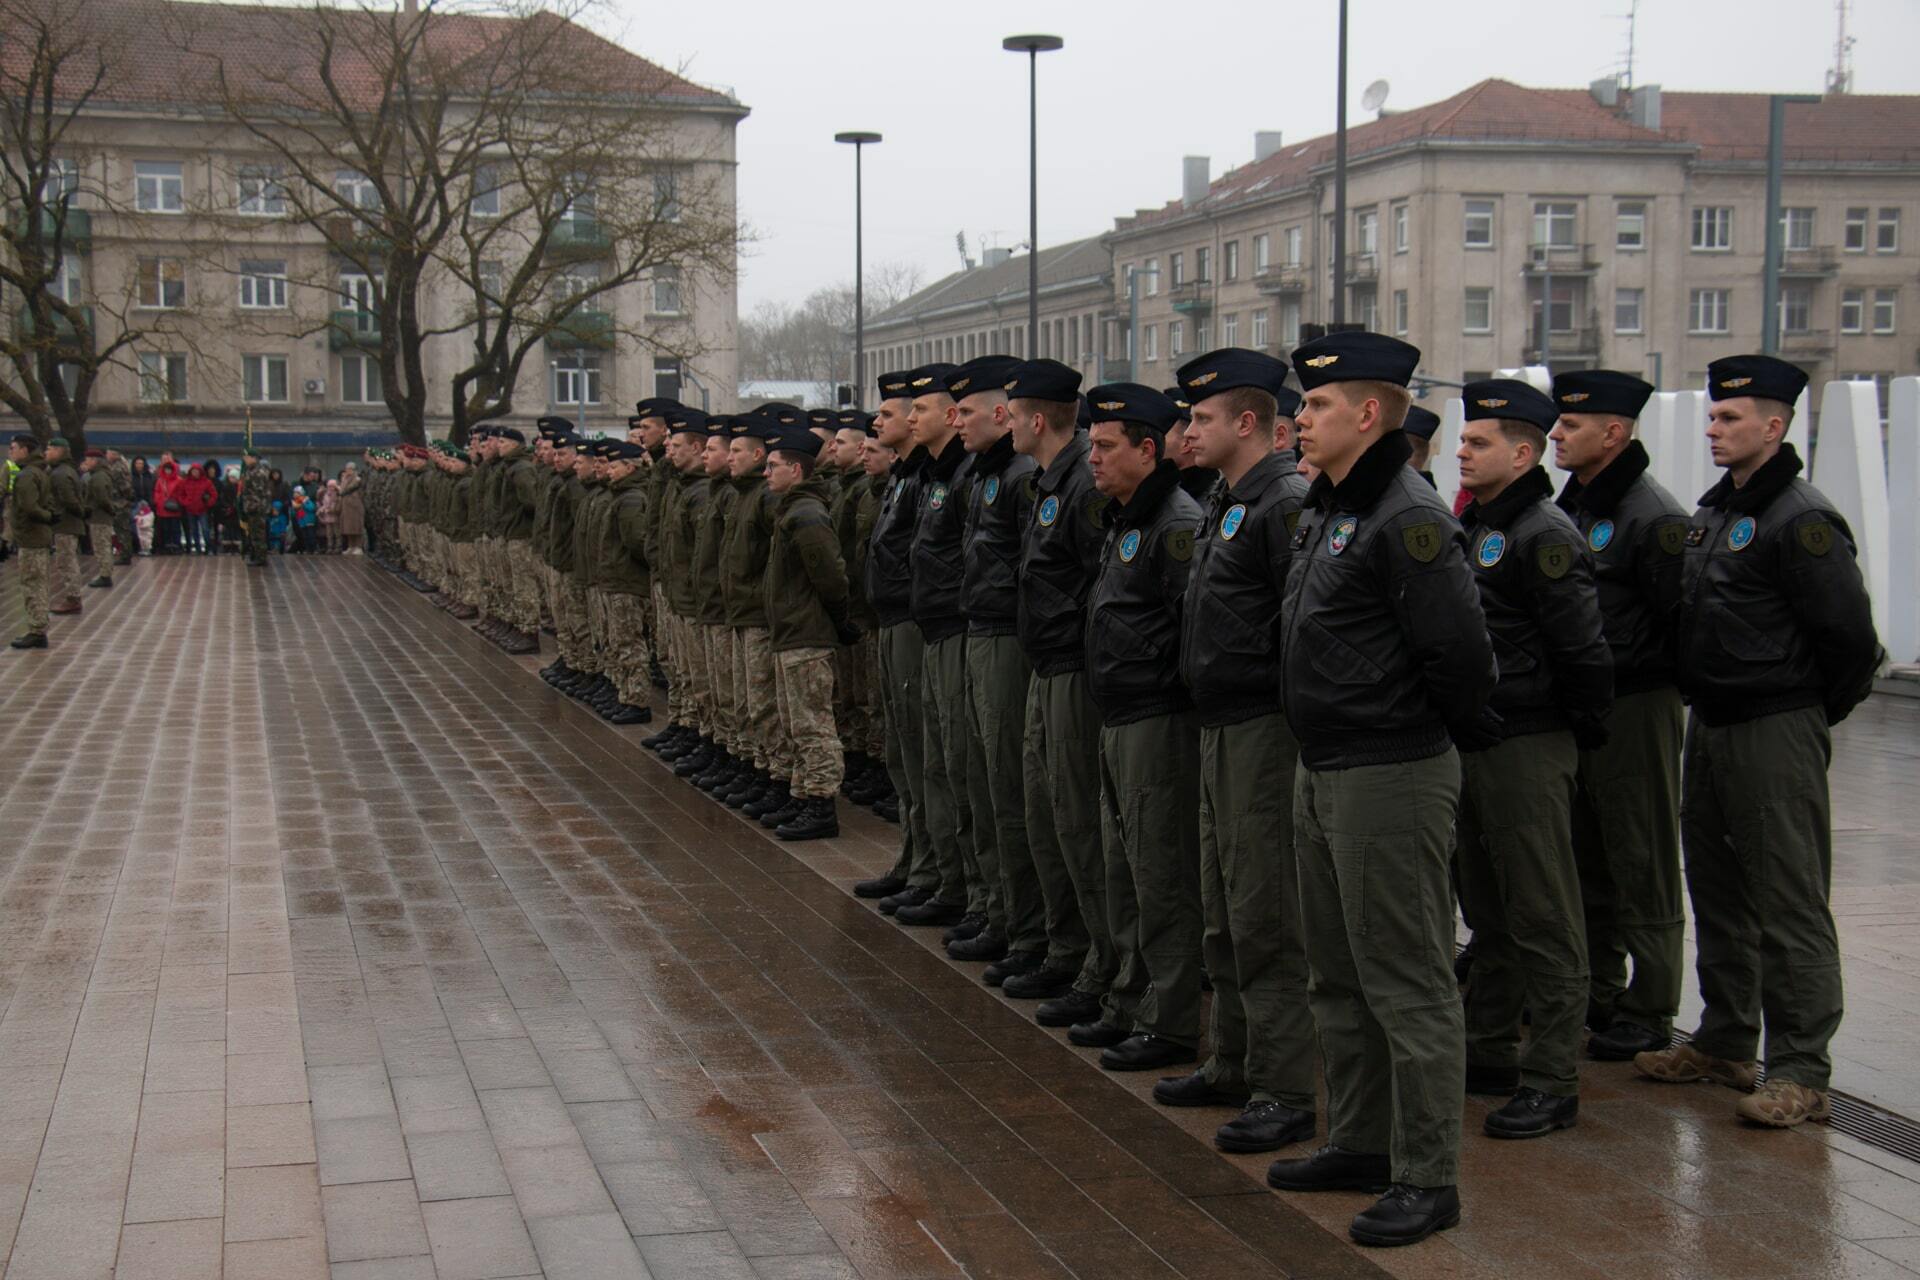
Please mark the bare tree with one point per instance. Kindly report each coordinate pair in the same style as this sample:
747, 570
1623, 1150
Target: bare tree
54, 65
813, 342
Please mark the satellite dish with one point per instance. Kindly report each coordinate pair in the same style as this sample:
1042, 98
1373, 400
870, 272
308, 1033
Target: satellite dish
1375, 97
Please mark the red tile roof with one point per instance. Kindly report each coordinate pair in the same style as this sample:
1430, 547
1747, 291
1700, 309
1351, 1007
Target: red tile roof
1713, 126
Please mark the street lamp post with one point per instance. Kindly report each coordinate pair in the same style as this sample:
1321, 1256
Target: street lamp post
1770, 269
859, 140
1339, 311
1033, 46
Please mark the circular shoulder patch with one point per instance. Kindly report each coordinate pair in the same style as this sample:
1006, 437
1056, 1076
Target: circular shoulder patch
1049, 510
992, 489
1230, 522
1600, 535
1341, 534
1741, 534
1129, 546
1492, 547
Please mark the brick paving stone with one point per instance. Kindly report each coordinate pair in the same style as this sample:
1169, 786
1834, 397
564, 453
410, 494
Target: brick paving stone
399, 965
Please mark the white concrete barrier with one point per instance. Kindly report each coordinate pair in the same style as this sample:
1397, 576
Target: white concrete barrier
1850, 467
1901, 630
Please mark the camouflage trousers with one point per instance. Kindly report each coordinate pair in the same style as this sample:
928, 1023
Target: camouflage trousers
66, 566
599, 632
717, 639
253, 536
523, 596
803, 687
627, 646
569, 609
467, 557
740, 713
36, 568
765, 729
665, 638
487, 559
856, 696
101, 532
697, 695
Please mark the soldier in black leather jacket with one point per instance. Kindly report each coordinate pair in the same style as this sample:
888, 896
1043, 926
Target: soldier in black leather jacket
1515, 836
1149, 740
1626, 805
1776, 645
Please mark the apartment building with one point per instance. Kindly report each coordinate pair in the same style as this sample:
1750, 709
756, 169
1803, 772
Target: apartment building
181, 223
1509, 225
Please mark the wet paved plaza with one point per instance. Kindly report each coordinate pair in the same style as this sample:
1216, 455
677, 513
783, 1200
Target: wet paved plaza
333, 942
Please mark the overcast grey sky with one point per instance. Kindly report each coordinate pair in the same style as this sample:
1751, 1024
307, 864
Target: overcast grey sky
1139, 85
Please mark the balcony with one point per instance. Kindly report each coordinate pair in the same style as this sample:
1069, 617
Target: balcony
350, 235
582, 330
1117, 369
1193, 297
62, 328
1568, 342
79, 228
1820, 260
1278, 278
350, 330
1806, 342
573, 239
1562, 259
1362, 267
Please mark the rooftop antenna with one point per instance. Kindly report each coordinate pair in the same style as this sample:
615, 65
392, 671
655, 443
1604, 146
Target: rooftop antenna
1840, 78
1632, 16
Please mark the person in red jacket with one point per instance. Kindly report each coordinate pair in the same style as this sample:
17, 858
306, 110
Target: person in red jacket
167, 507
196, 495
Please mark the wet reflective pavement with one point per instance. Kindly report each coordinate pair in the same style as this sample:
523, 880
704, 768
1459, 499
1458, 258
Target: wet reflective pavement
336, 943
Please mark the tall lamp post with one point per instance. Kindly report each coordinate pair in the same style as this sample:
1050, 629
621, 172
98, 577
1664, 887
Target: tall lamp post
859, 140
1033, 46
1770, 264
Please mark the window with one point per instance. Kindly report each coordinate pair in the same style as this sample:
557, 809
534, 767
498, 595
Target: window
492, 280
1366, 227
1554, 223
1627, 306
1883, 300
1796, 228
667, 290
263, 284
1712, 228
1230, 331
1399, 310
1886, 232
1176, 339
1201, 342
1856, 236
163, 377
1177, 269
356, 294
1150, 343
65, 284
1477, 311
1152, 271
1796, 308
1853, 310
1260, 329
161, 283
1260, 253
666, 197
1402, 230
486, 192
1290, 325
576, 380
264, 379
1630, 225
1479, 224
158, 187
1367, 303
1563, 302
1230, 260
1295, 240
62, 183
1707, 311
360, 380
1203, 264
666, 378
261, 194
355, 189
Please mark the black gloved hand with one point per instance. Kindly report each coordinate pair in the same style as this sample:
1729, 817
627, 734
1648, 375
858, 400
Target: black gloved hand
1484, 733
847, 632
1590, 733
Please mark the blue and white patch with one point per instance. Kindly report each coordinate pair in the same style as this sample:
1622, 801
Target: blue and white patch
1129, 546
1049, 511
992, 489
1492, 547
1341, 535
1230, 523
1741, 534
938, 498
1601, 535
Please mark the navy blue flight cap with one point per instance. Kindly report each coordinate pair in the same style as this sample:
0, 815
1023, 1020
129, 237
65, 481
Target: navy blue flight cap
1420, 423
982, 373
1042, 380
655, 407
1601, 391
1289, 401
1761, 376
721, 424
930, 379
684, 421
1512, 399
1180, 402
1132, 402
826, 418
621, 451
1084, 418
895, 385
1355, 356
514, 434
552, 426
1230, 368
796, 439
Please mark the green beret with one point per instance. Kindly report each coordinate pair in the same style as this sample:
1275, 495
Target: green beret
58, 442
